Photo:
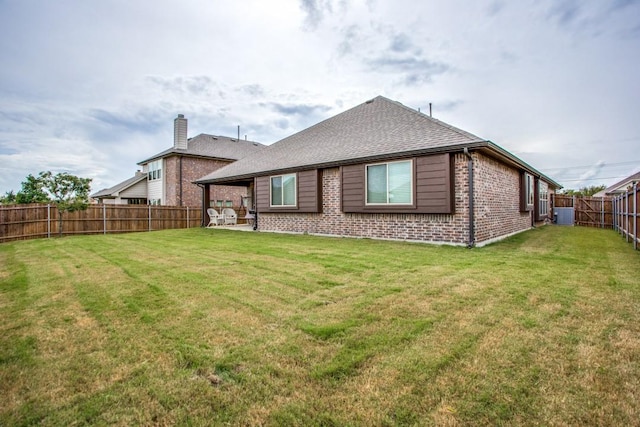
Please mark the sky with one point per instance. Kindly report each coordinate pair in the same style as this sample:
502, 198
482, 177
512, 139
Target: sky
92, 87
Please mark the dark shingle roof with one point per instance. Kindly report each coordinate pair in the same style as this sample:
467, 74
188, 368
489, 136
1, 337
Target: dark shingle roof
376, 128
211, 146
121, 186
621, 186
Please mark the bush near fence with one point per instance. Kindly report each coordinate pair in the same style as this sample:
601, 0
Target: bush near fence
20, 222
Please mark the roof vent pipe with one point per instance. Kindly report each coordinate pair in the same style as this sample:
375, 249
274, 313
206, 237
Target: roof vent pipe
180, 132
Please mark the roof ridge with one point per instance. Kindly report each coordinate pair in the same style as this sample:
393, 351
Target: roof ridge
434, 120
231, 138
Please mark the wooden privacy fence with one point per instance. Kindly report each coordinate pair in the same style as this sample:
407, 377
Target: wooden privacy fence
619, 213
626, 219
588, 211
35, 221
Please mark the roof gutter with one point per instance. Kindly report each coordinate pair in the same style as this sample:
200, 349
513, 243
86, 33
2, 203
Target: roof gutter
324, 165
516, 161
472, 231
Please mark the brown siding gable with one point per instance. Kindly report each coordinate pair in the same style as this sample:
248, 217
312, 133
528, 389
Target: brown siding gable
433, 188
308, 193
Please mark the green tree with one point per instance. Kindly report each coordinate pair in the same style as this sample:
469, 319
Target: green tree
584, 191
32, 191
591, 190
68, 192
9, 198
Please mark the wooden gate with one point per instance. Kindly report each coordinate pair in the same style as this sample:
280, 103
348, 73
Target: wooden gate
587, 211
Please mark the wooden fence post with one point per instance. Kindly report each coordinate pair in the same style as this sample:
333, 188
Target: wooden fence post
149, 218
614, 219
187, 216
635, 216
48, 221
626, 210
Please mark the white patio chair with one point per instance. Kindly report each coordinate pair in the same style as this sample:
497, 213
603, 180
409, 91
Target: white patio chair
214, 217
230, 216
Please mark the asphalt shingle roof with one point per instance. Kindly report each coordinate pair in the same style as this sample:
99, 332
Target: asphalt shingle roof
379, 127
212, 146
121, 186
620, 186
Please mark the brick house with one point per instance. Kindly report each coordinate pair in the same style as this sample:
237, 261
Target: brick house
382, 170
170, 174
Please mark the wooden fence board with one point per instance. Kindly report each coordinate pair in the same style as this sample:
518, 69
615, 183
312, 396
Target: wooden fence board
588, 211
36, 221
626, 215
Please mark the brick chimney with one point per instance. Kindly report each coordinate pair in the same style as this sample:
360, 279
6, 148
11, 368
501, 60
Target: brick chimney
180, 132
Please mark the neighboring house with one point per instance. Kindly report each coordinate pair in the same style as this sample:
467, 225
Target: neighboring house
620, 187
171, 173
383, 170
133, 191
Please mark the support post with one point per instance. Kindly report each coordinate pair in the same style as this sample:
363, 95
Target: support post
48, 221
149, 226
206, 201
104, 219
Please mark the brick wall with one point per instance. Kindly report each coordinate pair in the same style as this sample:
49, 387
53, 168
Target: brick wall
496, 206
497, 200
192, 169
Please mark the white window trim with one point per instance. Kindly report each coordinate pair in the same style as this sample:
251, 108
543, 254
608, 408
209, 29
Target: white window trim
543, 199
154, 170
529, 188
295, 194
366, 183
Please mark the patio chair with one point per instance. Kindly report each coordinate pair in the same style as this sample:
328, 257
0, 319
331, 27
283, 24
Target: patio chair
214, 217
230, 216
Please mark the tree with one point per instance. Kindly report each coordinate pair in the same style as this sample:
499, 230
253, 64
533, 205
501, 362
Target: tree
68, 192
9, 198
32, 191
584, 191
591, 190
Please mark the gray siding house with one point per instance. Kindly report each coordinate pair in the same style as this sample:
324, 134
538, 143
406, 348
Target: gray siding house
383, 170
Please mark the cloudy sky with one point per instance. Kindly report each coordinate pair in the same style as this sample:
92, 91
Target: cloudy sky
92, 87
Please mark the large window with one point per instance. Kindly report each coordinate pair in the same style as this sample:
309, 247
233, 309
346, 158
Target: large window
155, 170
283, 190
544, 198
390, 183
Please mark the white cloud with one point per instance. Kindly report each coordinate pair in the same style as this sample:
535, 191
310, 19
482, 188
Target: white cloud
92, 88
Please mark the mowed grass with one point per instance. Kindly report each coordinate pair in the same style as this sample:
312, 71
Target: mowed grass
215, 327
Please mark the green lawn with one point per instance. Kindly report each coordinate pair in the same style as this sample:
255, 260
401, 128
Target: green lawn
215, 327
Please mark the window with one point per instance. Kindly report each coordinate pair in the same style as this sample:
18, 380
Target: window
137, 201
155, 170
155, 202
544, 199
283, 190
528, 192
390, 183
